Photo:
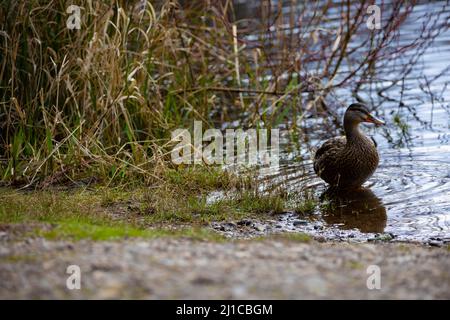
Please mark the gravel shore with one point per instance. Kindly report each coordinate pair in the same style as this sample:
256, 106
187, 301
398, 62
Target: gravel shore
167, 268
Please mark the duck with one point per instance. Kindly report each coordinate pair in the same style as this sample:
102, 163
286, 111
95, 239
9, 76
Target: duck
348, 161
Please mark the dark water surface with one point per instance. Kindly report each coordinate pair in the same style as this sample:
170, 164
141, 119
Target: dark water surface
408, 197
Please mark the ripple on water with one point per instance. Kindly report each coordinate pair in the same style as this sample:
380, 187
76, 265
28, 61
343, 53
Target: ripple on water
408, 197
409, 194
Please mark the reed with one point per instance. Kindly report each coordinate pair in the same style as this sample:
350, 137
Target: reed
100, 103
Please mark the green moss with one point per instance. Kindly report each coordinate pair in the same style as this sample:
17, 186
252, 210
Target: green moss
17, 259
404, 248
77, 230
113, 213
103, 213
141, 205
355, 265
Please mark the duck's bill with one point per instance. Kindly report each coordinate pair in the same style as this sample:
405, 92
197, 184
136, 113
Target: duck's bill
375, 120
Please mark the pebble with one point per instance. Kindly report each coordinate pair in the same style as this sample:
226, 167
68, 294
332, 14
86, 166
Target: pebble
300, 223
435, 243
245, 222
259, 227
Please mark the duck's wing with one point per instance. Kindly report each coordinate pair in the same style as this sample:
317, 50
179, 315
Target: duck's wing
326, 158
330, 146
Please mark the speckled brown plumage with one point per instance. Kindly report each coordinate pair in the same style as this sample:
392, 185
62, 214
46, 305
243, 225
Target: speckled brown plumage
347, 162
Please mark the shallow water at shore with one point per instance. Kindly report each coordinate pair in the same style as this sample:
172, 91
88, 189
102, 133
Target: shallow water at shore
408, 197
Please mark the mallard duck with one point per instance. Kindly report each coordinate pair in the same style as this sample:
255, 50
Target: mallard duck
348, 161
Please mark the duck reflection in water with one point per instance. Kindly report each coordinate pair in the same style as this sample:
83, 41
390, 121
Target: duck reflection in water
359, 208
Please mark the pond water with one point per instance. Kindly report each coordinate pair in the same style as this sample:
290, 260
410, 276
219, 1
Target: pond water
408, 197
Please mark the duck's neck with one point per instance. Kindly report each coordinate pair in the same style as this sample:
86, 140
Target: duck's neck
352, 132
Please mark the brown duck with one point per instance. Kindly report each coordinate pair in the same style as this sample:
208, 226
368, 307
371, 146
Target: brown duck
347, 162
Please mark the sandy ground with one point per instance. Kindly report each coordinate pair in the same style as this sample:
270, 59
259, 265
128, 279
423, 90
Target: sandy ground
167, 268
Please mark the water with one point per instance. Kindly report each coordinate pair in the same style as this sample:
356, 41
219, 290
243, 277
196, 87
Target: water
408, 197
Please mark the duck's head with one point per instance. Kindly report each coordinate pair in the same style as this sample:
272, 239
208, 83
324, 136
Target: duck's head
357, 113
